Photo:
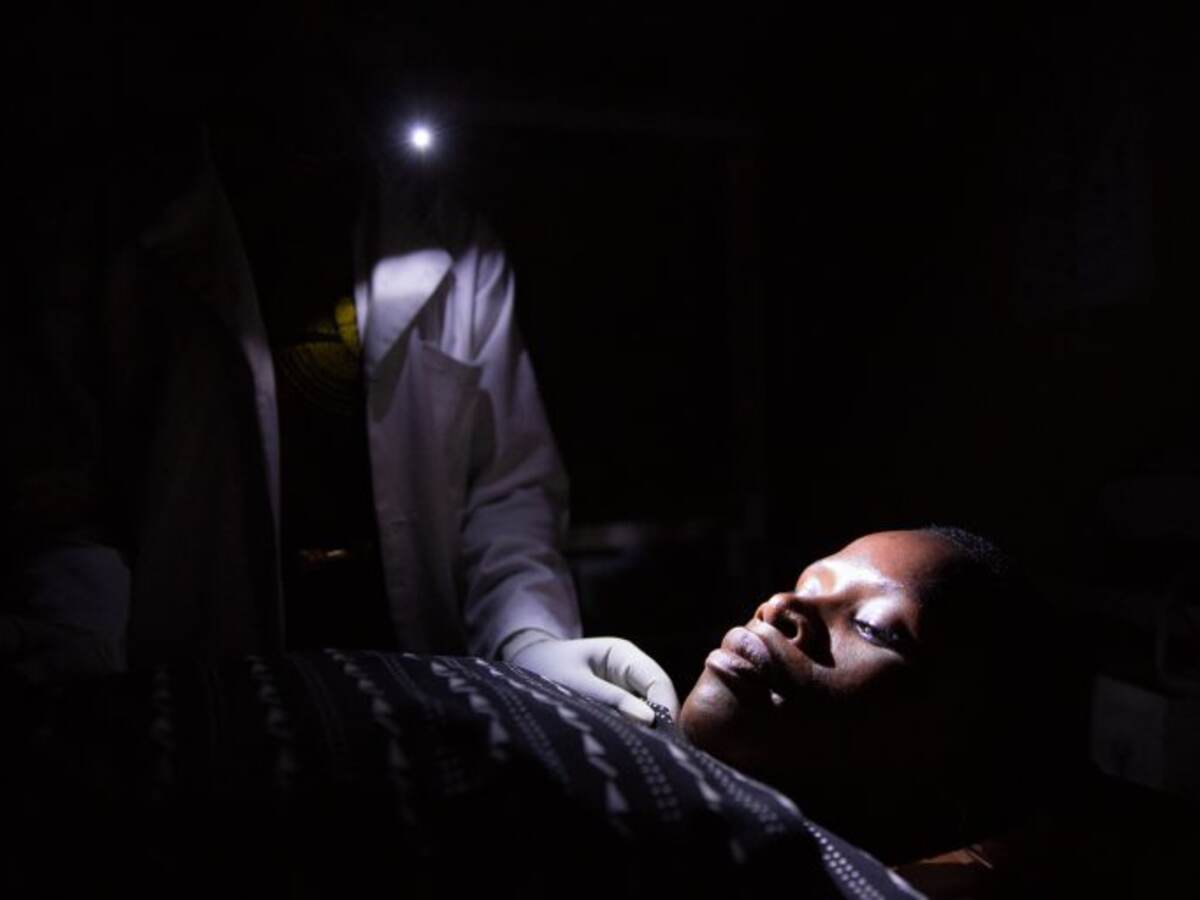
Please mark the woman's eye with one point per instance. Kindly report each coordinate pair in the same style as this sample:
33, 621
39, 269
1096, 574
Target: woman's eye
891, 638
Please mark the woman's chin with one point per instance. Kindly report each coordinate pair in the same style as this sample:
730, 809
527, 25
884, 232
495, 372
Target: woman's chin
716, 720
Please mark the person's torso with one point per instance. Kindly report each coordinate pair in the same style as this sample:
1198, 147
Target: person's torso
333, 585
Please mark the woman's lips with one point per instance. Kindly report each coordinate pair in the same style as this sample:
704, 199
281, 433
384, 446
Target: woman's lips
749, 646
742, 659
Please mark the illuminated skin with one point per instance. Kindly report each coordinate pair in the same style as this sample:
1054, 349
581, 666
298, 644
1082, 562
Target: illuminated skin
847, 679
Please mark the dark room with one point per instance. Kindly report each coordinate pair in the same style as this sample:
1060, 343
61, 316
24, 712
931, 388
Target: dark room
599, 450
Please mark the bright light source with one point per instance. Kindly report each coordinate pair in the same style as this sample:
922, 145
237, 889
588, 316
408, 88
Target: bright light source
420, 137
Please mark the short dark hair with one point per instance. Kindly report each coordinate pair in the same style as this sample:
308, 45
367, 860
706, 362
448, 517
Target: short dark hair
977, 548
992, 575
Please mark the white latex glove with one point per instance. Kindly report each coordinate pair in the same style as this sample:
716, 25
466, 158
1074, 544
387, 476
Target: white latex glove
611, 670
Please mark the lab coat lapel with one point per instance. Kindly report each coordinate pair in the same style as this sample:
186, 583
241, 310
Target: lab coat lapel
198, 240
398, 287
402, 266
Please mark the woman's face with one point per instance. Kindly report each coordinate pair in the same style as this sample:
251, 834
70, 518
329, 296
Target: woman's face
844, 676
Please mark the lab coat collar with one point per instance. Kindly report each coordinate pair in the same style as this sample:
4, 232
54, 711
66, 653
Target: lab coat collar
401, 264
197, 236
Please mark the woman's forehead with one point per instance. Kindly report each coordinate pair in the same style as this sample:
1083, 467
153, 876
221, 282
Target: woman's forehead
838, 573
895, 560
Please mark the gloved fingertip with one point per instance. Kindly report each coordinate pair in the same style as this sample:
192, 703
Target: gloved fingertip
637, 710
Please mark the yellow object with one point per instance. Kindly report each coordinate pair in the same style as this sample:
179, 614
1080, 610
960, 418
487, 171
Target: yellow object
325, 366
347, 324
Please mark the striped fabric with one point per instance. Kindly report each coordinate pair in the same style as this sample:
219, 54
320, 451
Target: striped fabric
329, 773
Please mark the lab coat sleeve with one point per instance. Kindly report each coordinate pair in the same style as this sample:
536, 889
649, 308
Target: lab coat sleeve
516, 502
74, 607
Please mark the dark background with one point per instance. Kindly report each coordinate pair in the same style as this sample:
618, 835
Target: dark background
785, 280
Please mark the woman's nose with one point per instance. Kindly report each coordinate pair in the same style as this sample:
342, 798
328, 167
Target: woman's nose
787, 613
800, 621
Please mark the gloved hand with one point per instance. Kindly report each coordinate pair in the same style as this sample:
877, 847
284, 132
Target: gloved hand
611, 670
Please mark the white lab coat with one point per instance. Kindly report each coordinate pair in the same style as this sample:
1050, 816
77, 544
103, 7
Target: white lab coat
469, 490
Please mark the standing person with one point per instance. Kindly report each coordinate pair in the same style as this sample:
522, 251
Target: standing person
308, 418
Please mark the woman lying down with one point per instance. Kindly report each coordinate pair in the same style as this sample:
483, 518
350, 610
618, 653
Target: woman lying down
863, 708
